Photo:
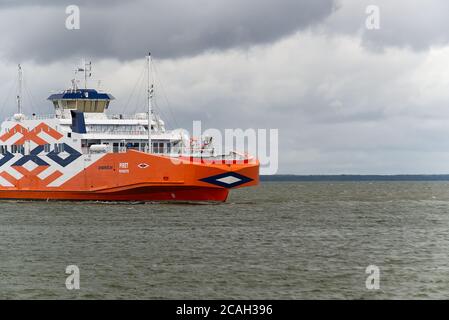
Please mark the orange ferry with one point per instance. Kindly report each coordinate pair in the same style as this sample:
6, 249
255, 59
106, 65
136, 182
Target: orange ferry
83, 153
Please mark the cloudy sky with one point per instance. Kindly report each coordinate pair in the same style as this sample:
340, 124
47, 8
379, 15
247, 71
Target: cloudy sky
346, 99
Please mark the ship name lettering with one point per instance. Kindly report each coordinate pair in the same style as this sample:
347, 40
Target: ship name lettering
105, 168
123, 165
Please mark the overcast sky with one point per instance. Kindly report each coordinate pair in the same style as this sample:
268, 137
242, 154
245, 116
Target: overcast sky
345, 99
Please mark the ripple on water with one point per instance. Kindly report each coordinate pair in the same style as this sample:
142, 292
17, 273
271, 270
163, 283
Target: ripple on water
279, 241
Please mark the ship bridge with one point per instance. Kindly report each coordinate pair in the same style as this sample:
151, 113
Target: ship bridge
82, 100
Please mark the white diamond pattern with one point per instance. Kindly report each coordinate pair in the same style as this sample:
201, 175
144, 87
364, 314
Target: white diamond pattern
229, 180
30, 166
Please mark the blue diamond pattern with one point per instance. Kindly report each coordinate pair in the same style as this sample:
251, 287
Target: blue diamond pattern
5, 158
73, 155
214, 179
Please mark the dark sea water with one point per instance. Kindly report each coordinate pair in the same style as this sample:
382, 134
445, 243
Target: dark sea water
281, 240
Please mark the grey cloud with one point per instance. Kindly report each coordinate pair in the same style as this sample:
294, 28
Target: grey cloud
57, 3
339, 107
171, 28
416, 25
413, 24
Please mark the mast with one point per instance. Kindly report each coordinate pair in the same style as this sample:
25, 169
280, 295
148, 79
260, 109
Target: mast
150, 98
19, 91
85, 74
87, 68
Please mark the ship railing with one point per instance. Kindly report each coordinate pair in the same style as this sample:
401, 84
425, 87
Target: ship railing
178, 152
127, 116
201, 152
108, 116
171, 151
34, 117
43, 117
115, 132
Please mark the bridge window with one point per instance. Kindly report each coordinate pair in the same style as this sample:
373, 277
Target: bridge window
158, 147
66, 104
132, 145
3, 149
46, 148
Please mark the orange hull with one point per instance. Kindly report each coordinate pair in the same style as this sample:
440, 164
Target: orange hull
132, 176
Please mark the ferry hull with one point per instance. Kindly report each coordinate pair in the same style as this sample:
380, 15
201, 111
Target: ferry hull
128, 176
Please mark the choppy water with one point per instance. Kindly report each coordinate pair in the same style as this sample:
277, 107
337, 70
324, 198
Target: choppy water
277, 241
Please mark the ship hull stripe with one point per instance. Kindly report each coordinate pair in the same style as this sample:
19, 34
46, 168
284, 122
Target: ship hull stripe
137, 194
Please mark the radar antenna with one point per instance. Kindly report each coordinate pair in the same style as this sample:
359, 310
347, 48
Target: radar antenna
87, 70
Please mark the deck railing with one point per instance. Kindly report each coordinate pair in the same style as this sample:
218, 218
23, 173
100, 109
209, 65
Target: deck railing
108, 116
171, 151
34, 117
115, 132
127, 116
